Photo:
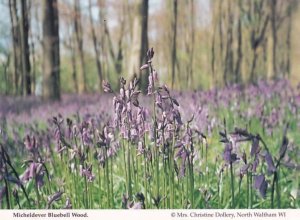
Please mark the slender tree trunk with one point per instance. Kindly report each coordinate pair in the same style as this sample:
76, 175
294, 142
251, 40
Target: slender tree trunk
139, 43
239, 49
24, 30
257, 34
221, 31
51, 62
95, 44
228, 54
288, 39
252, 73
79, 39
101, 27
6, 78
174, 59
32, 49
192, 45
117, 59
16, 44
33, 81
73, 61
70, 44
213, 55
144, 46
274, 34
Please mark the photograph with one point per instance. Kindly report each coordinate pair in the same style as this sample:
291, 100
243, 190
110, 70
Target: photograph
186, 109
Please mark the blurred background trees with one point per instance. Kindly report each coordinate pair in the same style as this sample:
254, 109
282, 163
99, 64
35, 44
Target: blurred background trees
49, 47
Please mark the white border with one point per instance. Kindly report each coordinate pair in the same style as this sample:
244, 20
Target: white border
178, 214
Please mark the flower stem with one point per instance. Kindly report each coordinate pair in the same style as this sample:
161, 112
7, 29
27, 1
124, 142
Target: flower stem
232, 185
99, 182
129, 186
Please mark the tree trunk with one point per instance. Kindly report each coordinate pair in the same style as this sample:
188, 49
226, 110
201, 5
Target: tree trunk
117, 59
174, 59
82, 86
70, 44
228, 54
32, 49
274, 35
33, 81
6, 78
139, 42
73, 61
192, 45
144, 45
51, 62
239, 48
16, 44
95, 44
25, 48
288, 39
257, 33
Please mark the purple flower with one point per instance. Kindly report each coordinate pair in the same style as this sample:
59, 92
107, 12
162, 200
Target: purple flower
228, 156
145, 66
150, 53
255, 164
34, 170
177, 116
87, 136
283, 147
141, 148
270, 163
255, 147
87, 172
261, 184
106, 87
182, 154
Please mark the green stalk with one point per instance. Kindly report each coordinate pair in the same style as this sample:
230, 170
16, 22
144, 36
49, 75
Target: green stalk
251, 190
220, 190
182, 194
278, 190
125, 167
157, 170
112, 183
145, 181
137, 171
239, 197
86, 193
172, 181
191, 172
75, 177
37, 193
206, 163
187, 189
273, 188
99, 182
91, 193
7, 194
129, 186
232, 185
107, 178
156, 157
134, 169
191, 184
248, 190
